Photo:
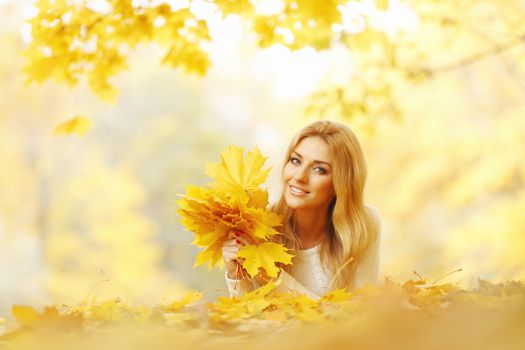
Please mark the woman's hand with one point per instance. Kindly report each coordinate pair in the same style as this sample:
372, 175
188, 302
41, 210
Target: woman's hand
230, 248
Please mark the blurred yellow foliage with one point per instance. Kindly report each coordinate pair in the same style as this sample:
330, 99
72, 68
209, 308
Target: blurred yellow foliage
448, 179
404, 316
77, 125
71, 40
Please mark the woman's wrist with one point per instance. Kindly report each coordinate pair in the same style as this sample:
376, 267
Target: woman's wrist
232, 275
232, 270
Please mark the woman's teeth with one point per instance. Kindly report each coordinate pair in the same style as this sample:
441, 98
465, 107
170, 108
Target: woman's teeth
296, 190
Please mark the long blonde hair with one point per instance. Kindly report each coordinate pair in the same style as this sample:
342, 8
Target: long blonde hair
352, 227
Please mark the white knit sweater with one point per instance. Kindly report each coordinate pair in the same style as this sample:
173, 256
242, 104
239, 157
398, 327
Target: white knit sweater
308, 277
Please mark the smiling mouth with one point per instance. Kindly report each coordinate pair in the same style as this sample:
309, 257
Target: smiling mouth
297, 190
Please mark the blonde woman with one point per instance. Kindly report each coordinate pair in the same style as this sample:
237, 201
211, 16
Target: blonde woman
334, 236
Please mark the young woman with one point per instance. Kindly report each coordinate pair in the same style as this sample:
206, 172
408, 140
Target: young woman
334, 236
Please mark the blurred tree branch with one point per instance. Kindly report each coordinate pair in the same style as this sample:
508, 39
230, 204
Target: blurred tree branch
70, 41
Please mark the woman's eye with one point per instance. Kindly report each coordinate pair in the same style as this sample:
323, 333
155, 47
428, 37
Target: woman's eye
295, 161
320, 170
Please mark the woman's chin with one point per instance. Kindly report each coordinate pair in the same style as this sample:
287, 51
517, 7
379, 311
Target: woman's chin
294, 203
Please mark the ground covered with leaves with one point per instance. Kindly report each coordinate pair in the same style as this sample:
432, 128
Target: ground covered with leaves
414, 314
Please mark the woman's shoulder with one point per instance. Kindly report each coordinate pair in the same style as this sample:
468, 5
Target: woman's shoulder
374, 212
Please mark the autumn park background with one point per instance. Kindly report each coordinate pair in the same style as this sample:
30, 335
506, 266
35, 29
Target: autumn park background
109, 108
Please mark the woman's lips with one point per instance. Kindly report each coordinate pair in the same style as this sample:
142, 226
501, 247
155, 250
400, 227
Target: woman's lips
297, 191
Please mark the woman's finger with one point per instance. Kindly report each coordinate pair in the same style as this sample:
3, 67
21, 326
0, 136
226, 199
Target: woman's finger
231, 234
230, 243
234, 234
244, 240
239, 239
229, 250
229, 257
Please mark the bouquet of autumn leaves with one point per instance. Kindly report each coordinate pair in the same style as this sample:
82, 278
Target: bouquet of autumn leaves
234, 201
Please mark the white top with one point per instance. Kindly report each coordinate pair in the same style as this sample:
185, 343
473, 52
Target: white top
307, 275
308, 271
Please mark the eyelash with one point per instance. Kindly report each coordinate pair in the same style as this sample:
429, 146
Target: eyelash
294, 159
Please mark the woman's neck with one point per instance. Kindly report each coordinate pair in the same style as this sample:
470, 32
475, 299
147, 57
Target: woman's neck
310, 226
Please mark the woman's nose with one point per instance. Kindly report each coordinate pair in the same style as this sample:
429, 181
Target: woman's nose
301, 174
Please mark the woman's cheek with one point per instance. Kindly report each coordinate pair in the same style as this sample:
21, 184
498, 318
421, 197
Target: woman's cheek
327, 188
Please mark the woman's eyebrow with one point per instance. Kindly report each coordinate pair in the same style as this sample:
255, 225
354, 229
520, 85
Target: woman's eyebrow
315, 161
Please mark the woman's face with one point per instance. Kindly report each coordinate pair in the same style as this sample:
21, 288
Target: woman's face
308, 175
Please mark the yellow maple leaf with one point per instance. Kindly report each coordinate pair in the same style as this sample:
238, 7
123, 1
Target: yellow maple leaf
247, 305
307, 309
212, 254
413, 286
109, 310
77, 125
232, 173
262, 291
299, 307
279, 316
336, 296
262, 223
264, 255
233, 202
188, 298
26, 315
258, 199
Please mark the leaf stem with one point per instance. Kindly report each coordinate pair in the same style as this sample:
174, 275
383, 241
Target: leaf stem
450, 273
